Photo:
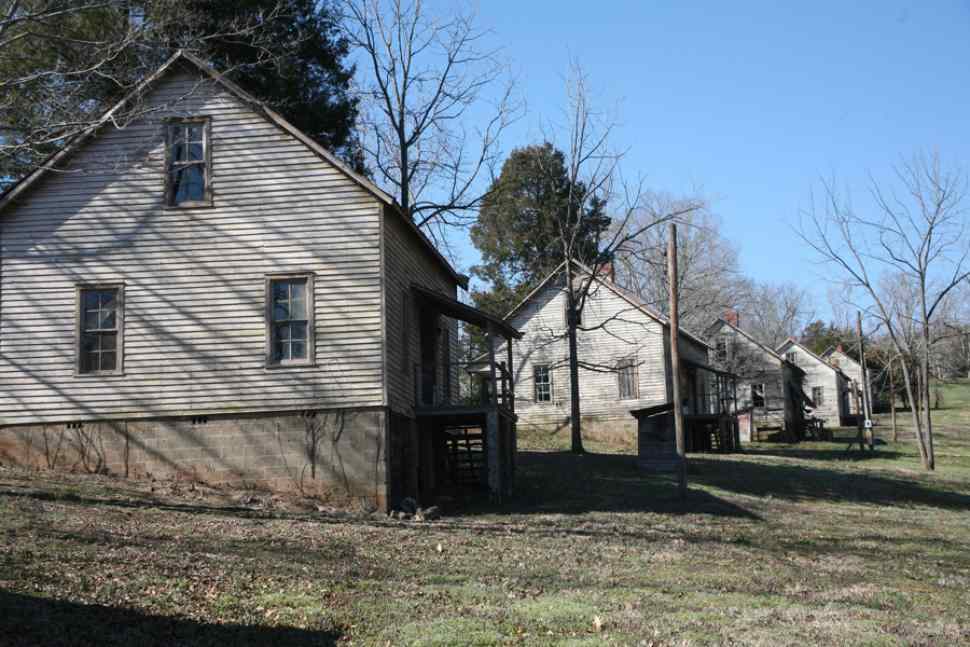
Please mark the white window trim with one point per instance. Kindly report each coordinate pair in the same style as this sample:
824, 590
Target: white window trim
311, 346
79, 328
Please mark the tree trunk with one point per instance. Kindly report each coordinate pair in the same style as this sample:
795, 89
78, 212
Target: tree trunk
576, 431
914, 410
892, 401
930, 462
673, 279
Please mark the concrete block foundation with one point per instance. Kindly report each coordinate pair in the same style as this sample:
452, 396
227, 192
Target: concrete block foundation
333, 454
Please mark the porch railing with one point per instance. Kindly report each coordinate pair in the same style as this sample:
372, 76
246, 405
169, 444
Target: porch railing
463, 384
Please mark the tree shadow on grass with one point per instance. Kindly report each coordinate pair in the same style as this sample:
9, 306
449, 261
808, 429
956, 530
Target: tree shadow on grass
793, 481
29, 620
567, 483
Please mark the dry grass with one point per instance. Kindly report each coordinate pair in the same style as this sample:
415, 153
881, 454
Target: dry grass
779, 545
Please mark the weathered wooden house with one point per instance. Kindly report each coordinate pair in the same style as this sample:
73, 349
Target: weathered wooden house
840, 359
205, 292
826, 385
769, 386
624, 357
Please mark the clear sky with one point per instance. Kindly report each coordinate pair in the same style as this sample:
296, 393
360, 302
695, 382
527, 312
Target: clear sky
752, 101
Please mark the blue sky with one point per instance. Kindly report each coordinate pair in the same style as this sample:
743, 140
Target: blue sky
754, 101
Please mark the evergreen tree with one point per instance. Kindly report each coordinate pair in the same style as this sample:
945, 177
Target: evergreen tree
61, 69
521, 224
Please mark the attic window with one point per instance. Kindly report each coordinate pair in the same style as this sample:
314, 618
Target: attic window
188, 157
792, 357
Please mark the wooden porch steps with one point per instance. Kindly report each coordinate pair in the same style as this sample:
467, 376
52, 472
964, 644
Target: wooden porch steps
466, 450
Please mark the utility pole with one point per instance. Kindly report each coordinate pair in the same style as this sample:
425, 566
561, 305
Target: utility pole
672, 280
866, 404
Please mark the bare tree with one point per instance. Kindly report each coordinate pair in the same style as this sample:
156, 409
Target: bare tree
917, 237
709, 271
596, 167
773, 312
428, 76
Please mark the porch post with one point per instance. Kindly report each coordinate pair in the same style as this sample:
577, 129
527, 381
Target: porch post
493, 399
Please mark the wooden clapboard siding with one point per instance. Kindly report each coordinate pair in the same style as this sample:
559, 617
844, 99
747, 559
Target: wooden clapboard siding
819, 373
619, 330
194, 278
852, 370
754, 364
406, 263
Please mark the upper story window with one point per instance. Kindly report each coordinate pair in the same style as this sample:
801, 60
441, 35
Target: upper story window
100, 322
542, 377
721, 349
626, 375
791, 357
188, 155
758, 395
818, 395
290, 320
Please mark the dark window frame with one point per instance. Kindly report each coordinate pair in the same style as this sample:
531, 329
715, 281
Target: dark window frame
764, 395
206, 162
79, 329
819, 401
270, 331
792, 358
547, 383
628, 364
722, 349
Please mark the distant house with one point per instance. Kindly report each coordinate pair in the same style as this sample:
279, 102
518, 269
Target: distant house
624, 356
825, 384
206, 293
769, 385
840, 359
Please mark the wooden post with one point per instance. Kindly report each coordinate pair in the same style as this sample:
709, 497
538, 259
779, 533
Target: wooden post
493, 388
865, 388
511, 395
892, 400
675, 360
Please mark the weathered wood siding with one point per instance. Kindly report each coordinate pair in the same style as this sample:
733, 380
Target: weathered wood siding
753, 365
194, 278
620, 331
852, 370
819, 374
406, 262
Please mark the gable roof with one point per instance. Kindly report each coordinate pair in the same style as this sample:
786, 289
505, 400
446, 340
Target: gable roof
72, 145
626, 295
833, 349
794, 342
720, 321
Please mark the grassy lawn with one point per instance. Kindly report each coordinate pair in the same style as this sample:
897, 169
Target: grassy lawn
803, 544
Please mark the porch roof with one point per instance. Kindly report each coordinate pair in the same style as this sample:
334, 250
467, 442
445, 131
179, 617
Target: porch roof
463, 312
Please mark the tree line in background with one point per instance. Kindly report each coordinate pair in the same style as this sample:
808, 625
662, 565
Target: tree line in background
422, 112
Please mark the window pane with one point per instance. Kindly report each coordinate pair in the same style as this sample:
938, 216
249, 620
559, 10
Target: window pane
194, 152
188, 184
283, 332
89, 299
91, 318
281, 350
298, 350
88, 343
89, 362
196, 133
108, 361
298, 331
107, 320
109, 340
281, 311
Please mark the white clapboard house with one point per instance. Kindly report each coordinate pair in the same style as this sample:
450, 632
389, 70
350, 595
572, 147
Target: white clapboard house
199, 290
624, 356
